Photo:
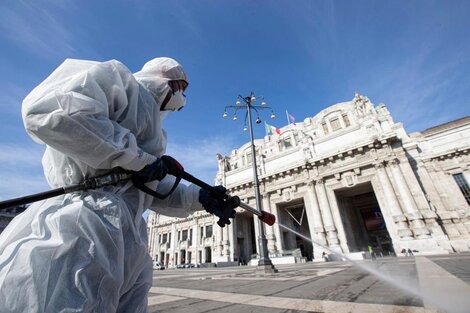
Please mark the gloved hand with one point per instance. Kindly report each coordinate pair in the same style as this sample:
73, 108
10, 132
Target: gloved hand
220, 207
158, 170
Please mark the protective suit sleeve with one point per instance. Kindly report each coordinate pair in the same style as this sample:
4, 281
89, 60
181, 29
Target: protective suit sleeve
78, 111
182, 202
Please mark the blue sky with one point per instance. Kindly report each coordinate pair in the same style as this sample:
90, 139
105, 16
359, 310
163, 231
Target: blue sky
303, 56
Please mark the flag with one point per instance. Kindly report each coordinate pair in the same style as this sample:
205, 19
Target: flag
290, 118
271, 129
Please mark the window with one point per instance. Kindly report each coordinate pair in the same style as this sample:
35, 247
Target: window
335, 124
460, 180
184, 235
325, 128
208, 231
346, 120
249, 159
287, 143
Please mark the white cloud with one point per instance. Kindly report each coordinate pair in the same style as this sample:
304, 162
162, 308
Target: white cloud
422, 95
12, 99
199, 157
13, 185
24, 156
21, 170
38, 27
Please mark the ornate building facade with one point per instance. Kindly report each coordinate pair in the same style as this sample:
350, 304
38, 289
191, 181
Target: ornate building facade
7, 215
350, 178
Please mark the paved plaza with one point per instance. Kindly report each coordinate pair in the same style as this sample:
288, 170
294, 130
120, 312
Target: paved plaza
319, 287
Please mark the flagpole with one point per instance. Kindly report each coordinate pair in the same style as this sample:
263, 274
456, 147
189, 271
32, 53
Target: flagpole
287, 116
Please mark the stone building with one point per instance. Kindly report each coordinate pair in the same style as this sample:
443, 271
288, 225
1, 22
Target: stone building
350, 178
7, 215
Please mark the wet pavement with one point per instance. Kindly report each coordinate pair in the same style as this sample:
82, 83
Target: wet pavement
318, 287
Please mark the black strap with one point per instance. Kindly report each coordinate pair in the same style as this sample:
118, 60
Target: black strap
141, 186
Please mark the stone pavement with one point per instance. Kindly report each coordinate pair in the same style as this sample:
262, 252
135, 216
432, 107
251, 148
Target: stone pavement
319, 287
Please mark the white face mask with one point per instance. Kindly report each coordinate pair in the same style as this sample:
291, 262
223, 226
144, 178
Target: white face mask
163, 115
177, 102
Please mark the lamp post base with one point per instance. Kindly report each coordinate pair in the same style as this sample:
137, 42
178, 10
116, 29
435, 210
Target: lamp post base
265, 269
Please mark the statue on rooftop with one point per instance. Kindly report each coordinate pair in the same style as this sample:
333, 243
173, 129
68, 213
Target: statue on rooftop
363, 105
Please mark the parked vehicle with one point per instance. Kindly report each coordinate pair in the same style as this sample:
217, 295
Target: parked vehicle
158, 266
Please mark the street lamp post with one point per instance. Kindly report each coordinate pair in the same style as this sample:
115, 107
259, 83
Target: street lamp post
265, 265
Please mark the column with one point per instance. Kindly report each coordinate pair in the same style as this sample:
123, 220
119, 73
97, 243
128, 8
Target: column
150, 241
226, 242
269, 229
412, 213
329, 225
337, 221
392, 203
418, 185
452, 191
341, 121
173, 237
292, 136
257, 234
236, 249
328, 125
315, 222
196, 239
430, 186
232, 243
218, 240
203, 255
276, 229
434, 169
156, 247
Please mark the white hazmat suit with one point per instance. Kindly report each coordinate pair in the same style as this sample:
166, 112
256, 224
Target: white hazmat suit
87, 251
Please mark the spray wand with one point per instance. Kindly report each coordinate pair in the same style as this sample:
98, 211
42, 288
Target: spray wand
117, 177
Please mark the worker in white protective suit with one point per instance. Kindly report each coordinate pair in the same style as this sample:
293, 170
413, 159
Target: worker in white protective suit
87, 251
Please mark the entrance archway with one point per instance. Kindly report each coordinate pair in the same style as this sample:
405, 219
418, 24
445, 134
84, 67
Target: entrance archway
363, 220
182, 256
294, 215
208, 251
246, 239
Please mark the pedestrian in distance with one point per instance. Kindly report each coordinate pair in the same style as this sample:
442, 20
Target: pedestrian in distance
371, 251
87, 251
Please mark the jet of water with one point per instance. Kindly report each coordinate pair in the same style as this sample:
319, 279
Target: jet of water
406, 285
